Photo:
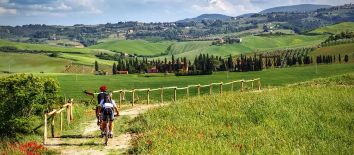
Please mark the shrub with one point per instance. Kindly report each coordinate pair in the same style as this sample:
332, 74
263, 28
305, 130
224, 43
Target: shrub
23, 100
55, 54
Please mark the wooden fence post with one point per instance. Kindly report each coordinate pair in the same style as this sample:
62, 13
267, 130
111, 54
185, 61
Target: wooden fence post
198, 88
68, 113
120, 98
148, 96
221, 88
61, 121
52, 125
45, 130
232, 86
71, 110
242, 86
175, 94
133, 95
187, 91
259, 84
161, 95
211, 89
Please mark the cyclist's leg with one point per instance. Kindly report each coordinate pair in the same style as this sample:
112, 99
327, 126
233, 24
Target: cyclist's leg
111, 118
103, 124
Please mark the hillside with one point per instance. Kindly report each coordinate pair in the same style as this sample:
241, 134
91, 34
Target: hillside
249, 44
140, 47
303, 119
335, 29
344, 49
295, 8
31, 63
206, 17
84, 56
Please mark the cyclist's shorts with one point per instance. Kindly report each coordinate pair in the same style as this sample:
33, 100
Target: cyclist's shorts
108, 113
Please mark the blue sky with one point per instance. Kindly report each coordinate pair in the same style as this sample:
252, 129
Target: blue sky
69, 12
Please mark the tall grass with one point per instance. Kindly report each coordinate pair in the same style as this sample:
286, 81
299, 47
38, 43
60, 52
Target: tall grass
291, 120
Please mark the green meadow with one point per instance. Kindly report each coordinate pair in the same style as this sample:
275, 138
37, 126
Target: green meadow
31, 63
72, 85
302, 119
140, 47
335, 29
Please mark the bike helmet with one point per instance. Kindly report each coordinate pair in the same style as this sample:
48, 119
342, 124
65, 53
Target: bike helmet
103, 88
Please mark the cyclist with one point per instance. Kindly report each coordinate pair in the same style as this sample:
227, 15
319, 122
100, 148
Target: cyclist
108, 108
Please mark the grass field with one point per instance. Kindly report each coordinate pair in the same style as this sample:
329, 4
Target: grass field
31, 63
79, 55
72, 85
140, 47
249, 44
295, 120
335, 29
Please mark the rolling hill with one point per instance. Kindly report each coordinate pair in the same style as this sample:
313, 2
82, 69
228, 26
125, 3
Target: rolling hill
206, 17
31, 63
335, 29
140, 47
295, 8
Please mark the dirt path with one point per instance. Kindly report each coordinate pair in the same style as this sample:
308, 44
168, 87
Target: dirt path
89, 143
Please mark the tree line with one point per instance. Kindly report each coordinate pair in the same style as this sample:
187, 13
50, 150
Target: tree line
204, 64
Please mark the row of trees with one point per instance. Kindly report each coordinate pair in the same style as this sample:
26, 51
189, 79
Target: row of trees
331, 59
206, 64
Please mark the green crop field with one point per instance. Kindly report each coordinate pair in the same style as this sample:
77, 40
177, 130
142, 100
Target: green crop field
72, 85
335, 29
294, 120
31, 63
140, 47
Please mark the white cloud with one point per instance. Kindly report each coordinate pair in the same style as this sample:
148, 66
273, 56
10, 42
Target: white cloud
7, 11
86, 6
227, 7
52, 8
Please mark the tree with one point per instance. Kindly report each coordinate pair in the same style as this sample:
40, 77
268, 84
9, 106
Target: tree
24, 99
96, 66
114, 68
346, 58
173, 63
339, 58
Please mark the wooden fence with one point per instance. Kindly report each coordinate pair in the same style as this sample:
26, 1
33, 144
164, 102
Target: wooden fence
69, 115
175, 88
69, 105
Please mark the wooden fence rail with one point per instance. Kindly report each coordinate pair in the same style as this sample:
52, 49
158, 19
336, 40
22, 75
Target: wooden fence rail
69, 113
187, 88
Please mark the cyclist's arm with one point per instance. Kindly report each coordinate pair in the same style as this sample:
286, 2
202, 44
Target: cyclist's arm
115, 107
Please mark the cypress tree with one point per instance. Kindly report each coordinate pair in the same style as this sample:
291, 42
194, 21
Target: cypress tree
114, 69
96, 66
339, 58
173, 62
346, 58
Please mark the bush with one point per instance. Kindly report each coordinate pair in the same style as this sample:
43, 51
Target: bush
55, 54
191, 73
23, 100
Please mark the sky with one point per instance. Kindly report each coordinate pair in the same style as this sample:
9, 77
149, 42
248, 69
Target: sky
70, 12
